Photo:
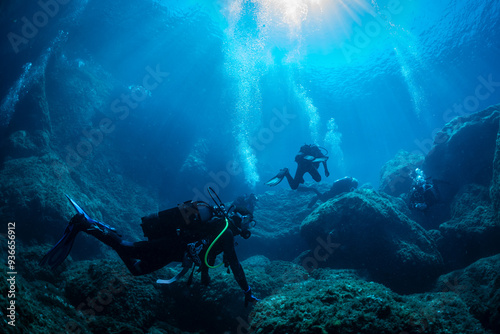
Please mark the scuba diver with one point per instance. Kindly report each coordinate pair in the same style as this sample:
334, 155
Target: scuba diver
340, 186
192, 233
308, 160
423, 193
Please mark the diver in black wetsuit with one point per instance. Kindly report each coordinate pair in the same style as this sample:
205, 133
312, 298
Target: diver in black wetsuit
193, 233
308, 160
423, 193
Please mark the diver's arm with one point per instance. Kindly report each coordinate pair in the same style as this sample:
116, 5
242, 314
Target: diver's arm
232, 258
327, 173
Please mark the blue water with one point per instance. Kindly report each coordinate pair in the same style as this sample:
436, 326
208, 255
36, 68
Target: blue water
251, 81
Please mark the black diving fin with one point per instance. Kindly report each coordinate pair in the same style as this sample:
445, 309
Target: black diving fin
62, 248
90, 220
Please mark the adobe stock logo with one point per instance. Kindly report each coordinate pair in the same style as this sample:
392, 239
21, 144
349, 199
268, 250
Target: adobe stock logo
30, 28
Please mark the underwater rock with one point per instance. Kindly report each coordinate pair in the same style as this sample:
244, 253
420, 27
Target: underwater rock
473, 232
105, 288
30, 127
478, 286
463, 152
55, 146
369, 230
22, 144
495, 184
40, 307
341, 302
88, 297
278, 214
33, 195
257, 261
395, 175
108, 297
223, 299
195, 162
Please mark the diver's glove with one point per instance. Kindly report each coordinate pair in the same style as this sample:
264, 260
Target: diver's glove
249, 298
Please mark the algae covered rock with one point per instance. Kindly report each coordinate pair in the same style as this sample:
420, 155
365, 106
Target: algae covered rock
103, 292
367, 230
278, 214
223, 299
473, 231
33, 195
478, 286
348, 304
105, 288
39, 306
463, 151
395, 175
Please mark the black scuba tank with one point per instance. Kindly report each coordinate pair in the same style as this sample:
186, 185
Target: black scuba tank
185, 218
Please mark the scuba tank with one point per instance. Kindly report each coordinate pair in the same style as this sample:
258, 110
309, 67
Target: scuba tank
183, 219
186, 221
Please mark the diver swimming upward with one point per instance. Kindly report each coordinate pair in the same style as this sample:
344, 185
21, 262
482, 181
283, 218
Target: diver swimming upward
308, 160
192, 233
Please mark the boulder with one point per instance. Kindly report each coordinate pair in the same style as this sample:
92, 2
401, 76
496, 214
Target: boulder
341, 302
278, 215
40, 307
103, 290
478, 286
32, 193
369, 230
463, 152
52, 148
473, 231
395, 175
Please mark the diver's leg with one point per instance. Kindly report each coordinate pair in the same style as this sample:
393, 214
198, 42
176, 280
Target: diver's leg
298, 179
144, 257
126, 250
315, 174
141, 257
77, 224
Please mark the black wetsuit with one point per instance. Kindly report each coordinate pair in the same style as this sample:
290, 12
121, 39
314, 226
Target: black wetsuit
225, 245
422, 196
144, 257
306, 165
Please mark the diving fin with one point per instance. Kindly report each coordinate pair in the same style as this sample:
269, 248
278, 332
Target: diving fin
175, 278
80, 211
62, 248
278, 178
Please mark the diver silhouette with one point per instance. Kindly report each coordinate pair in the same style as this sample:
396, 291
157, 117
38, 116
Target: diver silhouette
308, 160
192, 233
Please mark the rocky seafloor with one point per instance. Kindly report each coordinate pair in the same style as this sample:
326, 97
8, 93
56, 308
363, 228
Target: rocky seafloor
361, 262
